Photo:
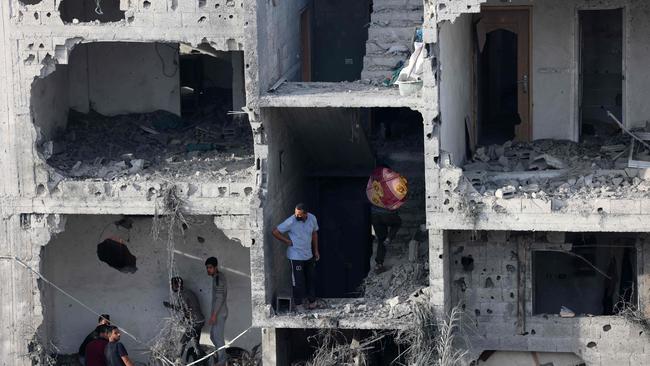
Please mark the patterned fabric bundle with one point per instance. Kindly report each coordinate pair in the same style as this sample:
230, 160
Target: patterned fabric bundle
386, 189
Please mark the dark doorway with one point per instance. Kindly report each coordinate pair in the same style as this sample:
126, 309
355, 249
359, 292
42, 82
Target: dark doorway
340, 34
498, 88
502, 76
601, 71
343, 215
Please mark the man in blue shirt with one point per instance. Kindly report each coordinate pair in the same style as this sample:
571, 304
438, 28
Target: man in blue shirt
302, 252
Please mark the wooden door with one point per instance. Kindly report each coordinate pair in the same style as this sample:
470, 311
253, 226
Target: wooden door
517, 21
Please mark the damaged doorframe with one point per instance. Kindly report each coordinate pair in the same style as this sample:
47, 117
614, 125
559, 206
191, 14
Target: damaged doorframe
524, 131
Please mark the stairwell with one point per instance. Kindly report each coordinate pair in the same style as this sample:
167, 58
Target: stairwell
390, 36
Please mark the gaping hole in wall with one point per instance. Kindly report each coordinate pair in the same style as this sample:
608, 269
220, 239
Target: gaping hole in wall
517, 275
81, 11
141, 110
134, 301
327, 156
601, 70
337, 347
590, 276
30, 2
116, 254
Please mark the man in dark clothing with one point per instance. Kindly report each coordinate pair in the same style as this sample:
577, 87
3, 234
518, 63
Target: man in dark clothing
104, 319
115, 352
219, 312
95, 348
385, 223
186, 302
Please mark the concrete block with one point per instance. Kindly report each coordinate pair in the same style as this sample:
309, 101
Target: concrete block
511, 206
645, 206
533, 205
167, 20
211, 190
626, 207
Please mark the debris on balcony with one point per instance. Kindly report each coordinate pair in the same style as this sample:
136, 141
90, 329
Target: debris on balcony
546, 169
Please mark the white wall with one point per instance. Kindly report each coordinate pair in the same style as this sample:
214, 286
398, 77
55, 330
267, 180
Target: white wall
117, 78
554, 64
455, 84
134, 301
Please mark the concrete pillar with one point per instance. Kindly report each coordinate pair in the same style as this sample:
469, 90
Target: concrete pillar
269, 347
8, 184
439, 270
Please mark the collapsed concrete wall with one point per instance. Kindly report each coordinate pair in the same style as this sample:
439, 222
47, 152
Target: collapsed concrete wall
134, 300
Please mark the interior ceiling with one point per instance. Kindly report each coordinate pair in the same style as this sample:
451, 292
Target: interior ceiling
333, 139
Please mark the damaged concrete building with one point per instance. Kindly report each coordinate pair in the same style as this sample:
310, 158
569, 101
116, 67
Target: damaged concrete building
185, 129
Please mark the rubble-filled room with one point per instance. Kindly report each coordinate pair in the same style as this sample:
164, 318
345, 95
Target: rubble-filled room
121, 266
561, 274
524, 117
144, 110
323, 157
299, 347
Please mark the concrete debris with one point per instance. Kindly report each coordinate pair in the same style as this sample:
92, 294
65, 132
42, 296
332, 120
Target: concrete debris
158, 143
547, 169
566, 312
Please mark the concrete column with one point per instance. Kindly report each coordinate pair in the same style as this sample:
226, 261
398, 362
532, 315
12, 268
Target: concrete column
8, 184
269, 347
439, 280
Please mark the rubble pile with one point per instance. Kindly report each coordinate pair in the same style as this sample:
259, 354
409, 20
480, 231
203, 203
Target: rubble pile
207, 146
556, 169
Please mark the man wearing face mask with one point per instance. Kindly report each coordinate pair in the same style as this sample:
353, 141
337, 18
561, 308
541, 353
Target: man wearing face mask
302, 252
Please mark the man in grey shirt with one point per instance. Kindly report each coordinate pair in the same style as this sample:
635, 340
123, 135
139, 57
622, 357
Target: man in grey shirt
219, 311
186, 302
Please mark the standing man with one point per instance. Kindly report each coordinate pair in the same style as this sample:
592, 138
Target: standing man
188, 304
302, 252
95, 348
104, 319
115, 352
219, 308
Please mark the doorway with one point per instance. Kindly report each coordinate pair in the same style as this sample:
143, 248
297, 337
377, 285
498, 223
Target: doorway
601, 71
502, 76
